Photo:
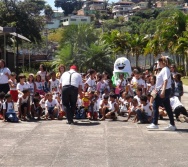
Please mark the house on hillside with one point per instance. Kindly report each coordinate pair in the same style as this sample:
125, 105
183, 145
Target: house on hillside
121, 8
75, 20
93, 6
55, 22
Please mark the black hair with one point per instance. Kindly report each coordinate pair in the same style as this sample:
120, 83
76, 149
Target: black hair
106, 97
7, 96
92, 71
112, 95
144, 98
53, 72
2, 95
37, 94
139, 88
36, 100
135, 100
128, 97
25, 90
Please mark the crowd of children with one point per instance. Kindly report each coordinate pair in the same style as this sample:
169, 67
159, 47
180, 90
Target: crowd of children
39, 96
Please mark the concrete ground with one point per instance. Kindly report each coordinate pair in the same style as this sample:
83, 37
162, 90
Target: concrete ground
100, 144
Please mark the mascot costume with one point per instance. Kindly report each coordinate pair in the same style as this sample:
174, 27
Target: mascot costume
121, 66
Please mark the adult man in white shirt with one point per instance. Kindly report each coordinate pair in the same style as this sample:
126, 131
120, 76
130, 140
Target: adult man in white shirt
71, 83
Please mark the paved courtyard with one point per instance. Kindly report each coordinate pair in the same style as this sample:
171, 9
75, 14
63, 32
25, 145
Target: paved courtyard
93, 143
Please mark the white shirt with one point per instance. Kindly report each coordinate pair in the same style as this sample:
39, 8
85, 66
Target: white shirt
42, 103
39, 85
42, 74
147, 109
10, 107
76, 79
12, 83
21, 88
31, 87
138, 82
174, 102
3, 77
138, 99
92, 84
54, 85
123, 83
53, 103
161, 77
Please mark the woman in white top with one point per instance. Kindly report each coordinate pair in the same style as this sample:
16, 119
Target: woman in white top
163, 89
4, 77
42, 72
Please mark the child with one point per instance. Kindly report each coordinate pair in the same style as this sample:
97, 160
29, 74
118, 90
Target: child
96, 106
36, 109
104, 107
8, 110
123, 104
144, 114
12, 84
138, 94
112, 110
51, 107
86, 102
21, 85
47, 83
92, 113
54, 83
132, 109
90, 84
24, 105
42, 103
2, 96
31, 85
178, 108
106, 93
178, 90
39, 85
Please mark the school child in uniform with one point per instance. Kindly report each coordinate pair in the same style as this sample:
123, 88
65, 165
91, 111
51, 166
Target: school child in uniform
51, 107
42, 104
178, 86
36, 109
47, 83
123, 104
2, 97
96, 107
54, 83
144, 114
31, 85
22, 85
104, 107
91, 113
9, 113
24, 105
132, 109
138, 95
39, 85
112, 113
13, 84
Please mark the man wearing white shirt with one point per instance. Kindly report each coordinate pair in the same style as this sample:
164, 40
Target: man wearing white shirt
71, 83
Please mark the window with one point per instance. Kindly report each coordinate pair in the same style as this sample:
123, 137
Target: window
72, 19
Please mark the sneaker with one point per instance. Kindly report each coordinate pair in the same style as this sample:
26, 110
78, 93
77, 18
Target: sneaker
152, 126
170, 128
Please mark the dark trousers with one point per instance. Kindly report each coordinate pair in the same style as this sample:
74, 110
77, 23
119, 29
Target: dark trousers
180, 110
4, 88
69, 99
166, 103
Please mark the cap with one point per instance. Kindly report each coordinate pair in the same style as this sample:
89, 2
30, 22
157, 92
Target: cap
73, 67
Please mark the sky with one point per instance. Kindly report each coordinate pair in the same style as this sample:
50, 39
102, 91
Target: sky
51, 3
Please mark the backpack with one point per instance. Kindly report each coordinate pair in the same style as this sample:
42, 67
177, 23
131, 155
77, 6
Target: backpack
80, 113
11, 117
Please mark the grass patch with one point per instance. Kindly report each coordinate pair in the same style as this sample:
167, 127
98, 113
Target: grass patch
185, 80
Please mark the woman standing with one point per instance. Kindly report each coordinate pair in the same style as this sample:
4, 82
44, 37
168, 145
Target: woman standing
4, 77
42, 72
61, 70
163, 89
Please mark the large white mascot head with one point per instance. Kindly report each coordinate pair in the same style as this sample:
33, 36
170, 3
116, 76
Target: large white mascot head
122, 65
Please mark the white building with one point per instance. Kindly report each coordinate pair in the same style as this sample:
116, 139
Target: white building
121, 8
70, 20
55, 22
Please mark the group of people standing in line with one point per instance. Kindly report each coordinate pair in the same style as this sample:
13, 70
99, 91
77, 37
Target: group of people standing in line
146, 97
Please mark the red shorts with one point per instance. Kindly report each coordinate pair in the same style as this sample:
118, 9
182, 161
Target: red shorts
14, 94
